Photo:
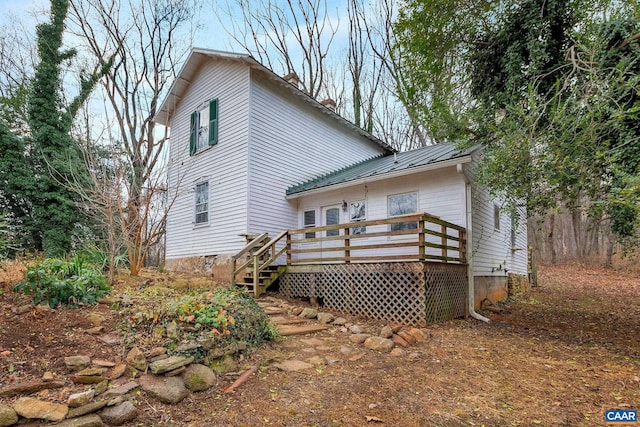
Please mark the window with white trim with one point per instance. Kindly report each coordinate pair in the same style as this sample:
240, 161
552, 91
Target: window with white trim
358, 212
202, 203
496, 217
203, 131
309, 220
403, 204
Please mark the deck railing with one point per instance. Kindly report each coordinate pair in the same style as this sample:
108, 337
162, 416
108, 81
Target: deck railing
412, 237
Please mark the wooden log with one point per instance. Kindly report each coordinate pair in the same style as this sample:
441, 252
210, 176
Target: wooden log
243, 378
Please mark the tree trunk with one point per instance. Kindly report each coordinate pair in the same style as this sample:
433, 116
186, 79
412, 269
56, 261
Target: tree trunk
550, 241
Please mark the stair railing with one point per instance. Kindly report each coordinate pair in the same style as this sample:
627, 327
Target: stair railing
262, 259
257, 242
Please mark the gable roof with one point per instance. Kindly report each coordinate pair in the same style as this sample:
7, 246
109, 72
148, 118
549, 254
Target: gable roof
198, 56
388, 166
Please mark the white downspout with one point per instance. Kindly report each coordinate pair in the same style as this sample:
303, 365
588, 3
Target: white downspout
470, 278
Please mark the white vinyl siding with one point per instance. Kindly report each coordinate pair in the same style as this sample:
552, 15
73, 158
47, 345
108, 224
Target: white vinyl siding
224, 166
492, 250
292, 141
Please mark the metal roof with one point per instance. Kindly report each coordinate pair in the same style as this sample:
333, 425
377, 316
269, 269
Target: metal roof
199, 55
438, 155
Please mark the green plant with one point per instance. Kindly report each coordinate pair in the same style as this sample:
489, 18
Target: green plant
56, 281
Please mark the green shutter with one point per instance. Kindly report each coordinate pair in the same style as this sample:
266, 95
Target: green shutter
193, 136
213, 122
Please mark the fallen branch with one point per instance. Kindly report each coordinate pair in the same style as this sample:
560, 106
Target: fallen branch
241, 379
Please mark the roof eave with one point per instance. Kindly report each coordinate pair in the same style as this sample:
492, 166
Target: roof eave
388, 175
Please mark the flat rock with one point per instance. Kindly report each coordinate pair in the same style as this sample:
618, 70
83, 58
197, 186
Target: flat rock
157, 351
317, 361
118, 371
103, 363
417, 334
88, 421
29, 407
95, 330
386, 332
77, 363
86, 409
198, 377
169, 364
48, 376
356, 329
119, 414
89, 372
110, 339
135, 359
358, 338
280, 320
293, 365
407, 337
121, 390
164, 389
287, 330
313, 342
340, 321
398, 340
7, 416
309, 313
274, 310
379, 344
29, 387
87, 379
325, 317
79, 399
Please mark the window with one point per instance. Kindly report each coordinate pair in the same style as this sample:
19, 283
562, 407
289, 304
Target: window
402, 204
496, 217
332, 217
202, 203
514, 226
358, 212
309, 220
204, 127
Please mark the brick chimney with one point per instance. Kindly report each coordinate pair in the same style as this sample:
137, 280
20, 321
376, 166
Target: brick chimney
329, 103
293, 79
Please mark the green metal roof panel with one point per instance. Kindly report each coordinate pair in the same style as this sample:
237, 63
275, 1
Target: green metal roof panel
385, 164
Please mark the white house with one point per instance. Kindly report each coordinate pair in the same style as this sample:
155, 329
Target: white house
252, 153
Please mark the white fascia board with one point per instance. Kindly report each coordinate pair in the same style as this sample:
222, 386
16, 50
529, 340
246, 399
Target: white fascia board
374, 178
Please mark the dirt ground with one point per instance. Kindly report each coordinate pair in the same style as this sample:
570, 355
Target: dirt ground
558, 356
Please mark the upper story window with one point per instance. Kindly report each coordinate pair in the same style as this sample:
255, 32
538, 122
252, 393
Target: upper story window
202, 203
402, 204
203, 131
496, 217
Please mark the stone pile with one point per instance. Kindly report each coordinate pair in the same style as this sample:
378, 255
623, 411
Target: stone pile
388, 338
102, 394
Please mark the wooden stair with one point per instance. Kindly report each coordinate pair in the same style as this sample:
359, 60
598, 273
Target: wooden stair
266, 278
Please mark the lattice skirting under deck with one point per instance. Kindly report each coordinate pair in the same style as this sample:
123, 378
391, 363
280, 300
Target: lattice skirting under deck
412, 293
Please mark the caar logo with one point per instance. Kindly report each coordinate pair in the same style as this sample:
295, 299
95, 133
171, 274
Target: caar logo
621, 417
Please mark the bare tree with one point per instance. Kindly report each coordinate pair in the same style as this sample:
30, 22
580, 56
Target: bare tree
286, 36
150, 39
